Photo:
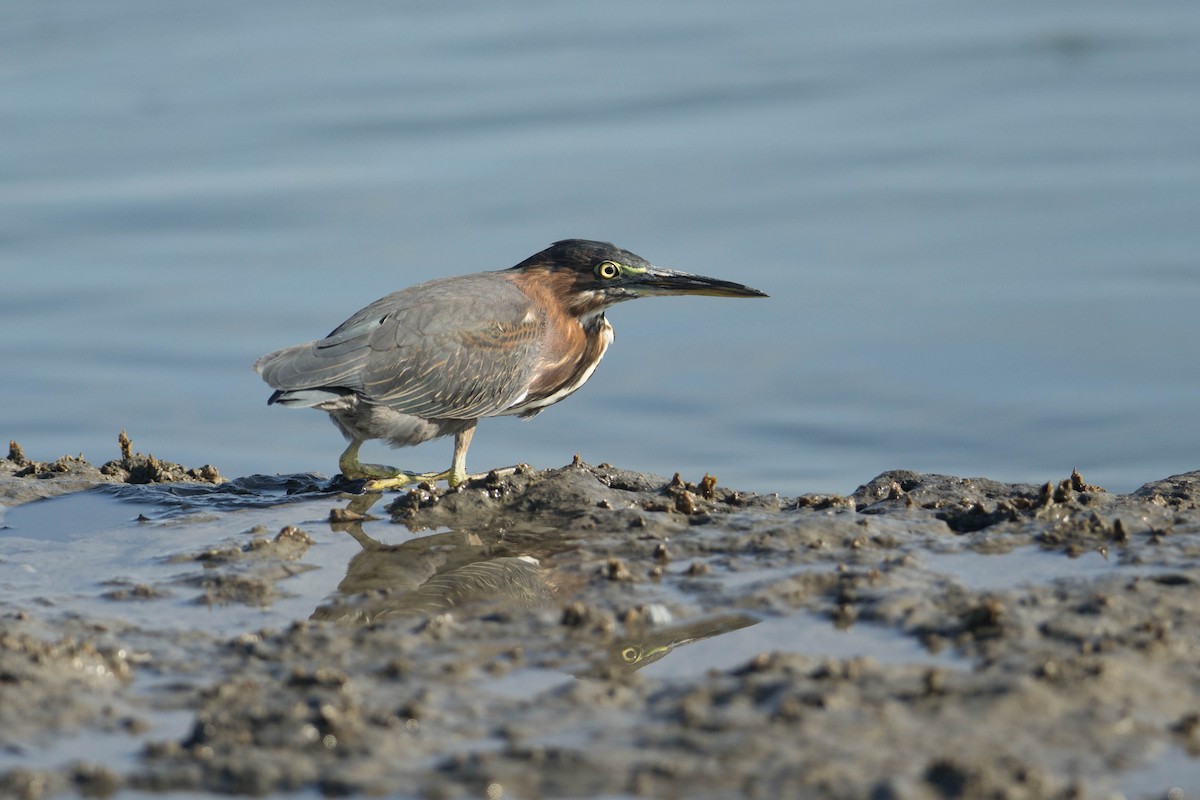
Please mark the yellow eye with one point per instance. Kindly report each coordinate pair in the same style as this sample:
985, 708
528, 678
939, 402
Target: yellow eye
608, 270
630, 654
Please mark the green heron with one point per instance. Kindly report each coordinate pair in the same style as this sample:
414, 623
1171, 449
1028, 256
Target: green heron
431, 360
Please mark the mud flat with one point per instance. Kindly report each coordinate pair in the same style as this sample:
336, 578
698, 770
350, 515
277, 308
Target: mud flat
591, 631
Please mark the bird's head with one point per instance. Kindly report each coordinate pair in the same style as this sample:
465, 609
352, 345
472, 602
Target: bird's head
589, 276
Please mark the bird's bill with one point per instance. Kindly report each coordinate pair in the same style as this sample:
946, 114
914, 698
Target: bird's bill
662, 281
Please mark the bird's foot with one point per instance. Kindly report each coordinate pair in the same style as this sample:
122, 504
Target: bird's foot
380, 477
359, 472
400, 479
371, 474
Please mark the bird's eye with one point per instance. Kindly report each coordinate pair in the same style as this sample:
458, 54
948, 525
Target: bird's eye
608, 270
630, 655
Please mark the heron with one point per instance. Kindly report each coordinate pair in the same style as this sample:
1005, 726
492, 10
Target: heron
433, 359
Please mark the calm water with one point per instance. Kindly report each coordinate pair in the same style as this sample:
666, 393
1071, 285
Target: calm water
978, 224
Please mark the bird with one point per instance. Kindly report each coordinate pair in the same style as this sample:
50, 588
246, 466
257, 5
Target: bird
433, 359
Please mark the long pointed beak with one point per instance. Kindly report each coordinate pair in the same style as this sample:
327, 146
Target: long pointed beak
662, 281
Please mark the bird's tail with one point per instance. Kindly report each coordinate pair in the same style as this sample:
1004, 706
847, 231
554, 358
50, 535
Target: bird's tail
305, 380
309, 398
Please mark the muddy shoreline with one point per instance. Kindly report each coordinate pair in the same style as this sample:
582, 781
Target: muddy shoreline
593, 631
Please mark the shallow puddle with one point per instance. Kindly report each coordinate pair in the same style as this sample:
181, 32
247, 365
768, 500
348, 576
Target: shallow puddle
1031, 565
69, 517
67, 553
802, 633
1171, 774
72, 554
119, 750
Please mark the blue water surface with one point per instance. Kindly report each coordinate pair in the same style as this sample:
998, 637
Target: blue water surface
978, 224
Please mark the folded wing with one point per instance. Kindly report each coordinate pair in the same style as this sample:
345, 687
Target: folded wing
458, 348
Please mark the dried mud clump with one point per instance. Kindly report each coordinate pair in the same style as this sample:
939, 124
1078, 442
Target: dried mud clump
23, 479
134, 467
251, 570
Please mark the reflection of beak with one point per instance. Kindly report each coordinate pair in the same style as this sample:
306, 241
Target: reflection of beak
660, 281
637, 650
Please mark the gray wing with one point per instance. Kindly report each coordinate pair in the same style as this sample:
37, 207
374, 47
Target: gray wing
458, 348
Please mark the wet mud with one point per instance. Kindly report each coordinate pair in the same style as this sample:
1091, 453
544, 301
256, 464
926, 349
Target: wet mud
592, 631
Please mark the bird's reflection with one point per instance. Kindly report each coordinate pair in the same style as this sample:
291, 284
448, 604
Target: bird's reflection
438, 572
487, 569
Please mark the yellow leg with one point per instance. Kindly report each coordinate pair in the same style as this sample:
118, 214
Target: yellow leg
458, 467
